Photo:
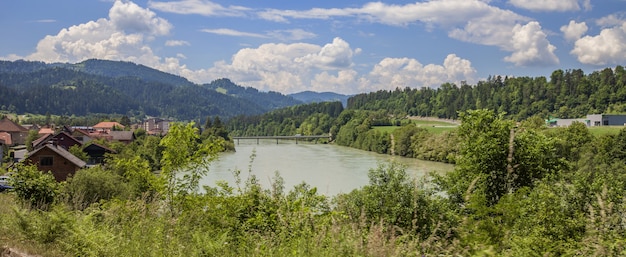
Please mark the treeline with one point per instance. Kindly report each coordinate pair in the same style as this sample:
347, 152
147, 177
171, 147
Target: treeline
518, 189
568, 94
306, 119
355, 128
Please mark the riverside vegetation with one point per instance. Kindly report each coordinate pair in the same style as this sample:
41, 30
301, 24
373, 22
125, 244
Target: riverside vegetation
518, 189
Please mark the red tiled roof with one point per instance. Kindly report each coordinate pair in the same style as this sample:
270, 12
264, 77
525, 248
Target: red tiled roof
108, 125
46, 131
7, 125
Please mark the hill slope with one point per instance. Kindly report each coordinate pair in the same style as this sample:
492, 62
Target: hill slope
97, 86
315, 97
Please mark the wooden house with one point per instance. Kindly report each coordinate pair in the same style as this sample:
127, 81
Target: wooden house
55, 159
17, 132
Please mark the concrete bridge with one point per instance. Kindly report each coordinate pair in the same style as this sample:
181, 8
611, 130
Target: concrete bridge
296, 137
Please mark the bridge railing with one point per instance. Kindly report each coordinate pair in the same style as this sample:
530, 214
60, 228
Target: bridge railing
296, 138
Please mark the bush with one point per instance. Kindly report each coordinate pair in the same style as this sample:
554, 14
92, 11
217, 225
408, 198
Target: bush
33, 187
90, 186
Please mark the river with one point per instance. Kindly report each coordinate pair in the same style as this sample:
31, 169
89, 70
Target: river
332, 169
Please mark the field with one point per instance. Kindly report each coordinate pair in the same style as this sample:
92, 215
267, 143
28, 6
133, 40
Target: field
433, 125
605, 130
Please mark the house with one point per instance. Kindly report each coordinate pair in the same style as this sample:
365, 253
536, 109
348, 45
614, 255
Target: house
108, 126
5, 137
18, 133
62, 139
125, 137
96, 153
81, 135
44, 139
45, 130
156, 126
55, 159
591, 120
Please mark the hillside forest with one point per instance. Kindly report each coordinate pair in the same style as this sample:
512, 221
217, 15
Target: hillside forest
518, 188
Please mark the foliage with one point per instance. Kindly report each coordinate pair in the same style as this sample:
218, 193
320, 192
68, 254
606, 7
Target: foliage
185, 159
92, 185
32, 136
33, 187
499, 157
567, 94
392, 198
77, 151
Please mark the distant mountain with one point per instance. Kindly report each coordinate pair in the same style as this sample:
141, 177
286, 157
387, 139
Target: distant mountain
117, 69
97, 86
315, 97
271, 100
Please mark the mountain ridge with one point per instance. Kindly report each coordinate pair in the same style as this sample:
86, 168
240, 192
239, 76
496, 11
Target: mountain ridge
101, 86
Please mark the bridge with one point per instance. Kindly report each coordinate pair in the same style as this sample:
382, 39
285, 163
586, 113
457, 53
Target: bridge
296, 137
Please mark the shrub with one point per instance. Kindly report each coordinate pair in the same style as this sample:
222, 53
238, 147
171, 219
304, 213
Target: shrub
90, 186
33, 187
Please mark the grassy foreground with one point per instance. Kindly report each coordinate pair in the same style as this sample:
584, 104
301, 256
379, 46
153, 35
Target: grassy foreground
241, 221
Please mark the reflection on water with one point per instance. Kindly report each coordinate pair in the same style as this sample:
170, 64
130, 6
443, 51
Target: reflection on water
332, 169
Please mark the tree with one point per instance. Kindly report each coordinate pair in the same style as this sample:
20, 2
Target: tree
185, 160
497, 158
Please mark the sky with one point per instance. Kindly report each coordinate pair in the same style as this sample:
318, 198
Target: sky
346, 46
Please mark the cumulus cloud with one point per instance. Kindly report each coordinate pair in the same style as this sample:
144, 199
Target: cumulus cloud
574, 30
549, 5
531, 46
200, 7
122, 36
609, 47
391, 73
337, 54
296, 67
131, 18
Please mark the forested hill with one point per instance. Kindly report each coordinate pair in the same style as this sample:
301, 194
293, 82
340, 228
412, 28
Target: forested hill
97, 86
315, 97
567, 94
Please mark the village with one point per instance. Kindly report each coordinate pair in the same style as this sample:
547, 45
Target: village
54, 148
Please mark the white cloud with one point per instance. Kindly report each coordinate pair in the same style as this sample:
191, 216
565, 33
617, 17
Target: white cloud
291, 34
232, 32
609, 47
391, 73
335, 55
176, 43
574, 30
549, 5
200, 7
531, 46
46, 21
129, 17
610, 20
472, 21
124, 35
291, 68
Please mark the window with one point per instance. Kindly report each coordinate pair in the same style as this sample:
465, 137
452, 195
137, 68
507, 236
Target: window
45, 161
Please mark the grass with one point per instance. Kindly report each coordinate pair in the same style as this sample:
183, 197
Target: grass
433, 126
605, 130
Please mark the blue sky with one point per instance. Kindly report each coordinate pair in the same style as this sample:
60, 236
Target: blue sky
341, 46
